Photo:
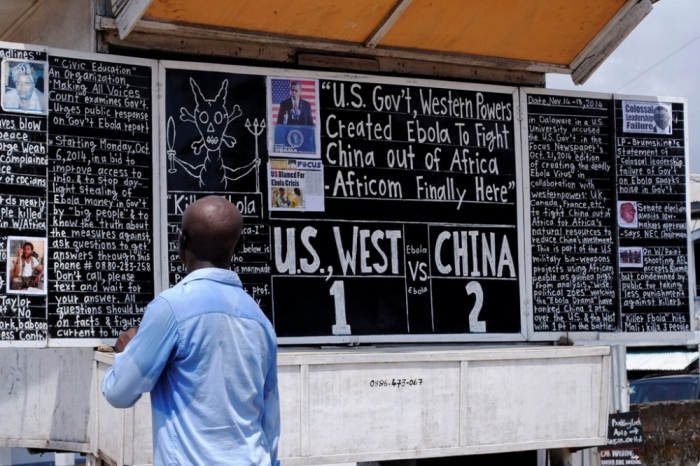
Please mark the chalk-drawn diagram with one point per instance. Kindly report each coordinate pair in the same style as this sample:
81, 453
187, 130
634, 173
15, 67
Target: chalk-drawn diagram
212, 120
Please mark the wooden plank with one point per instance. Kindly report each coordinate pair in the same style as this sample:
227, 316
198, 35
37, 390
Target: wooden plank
388, 22
604, 397
45, 444
600, 37
516, 353
421, 68
463, 403
199, 46
305, 405
337, 63
463, 72
129, 15
608, 40
290, 389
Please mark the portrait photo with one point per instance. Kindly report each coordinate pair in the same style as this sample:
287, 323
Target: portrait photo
627, 214
293, 117
662, 119
23, 86
26, 265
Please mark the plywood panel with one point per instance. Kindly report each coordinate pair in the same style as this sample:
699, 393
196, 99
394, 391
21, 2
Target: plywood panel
110, 421
544, 31
289, 385
337, 20
357, 408
44, 394
530, 401
21, 388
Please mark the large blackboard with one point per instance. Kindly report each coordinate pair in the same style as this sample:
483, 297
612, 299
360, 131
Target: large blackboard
652, 179
572, 213
78, 188
189, 170
419, 232
23, 210
101, 267
608, 214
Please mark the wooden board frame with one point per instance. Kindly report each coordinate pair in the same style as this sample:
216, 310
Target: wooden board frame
28, 343
586, 338
361, 78
91, 342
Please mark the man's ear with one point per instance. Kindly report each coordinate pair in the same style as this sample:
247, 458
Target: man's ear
182, 240
239, 244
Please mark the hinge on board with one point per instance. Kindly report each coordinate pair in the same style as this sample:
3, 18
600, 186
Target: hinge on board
159, 92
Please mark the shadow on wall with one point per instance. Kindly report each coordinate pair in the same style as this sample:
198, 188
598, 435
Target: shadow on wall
521, 458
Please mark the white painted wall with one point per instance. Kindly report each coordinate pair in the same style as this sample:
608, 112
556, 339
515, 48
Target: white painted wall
45, 400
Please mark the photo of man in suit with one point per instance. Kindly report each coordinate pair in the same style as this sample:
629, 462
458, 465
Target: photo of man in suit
662, 118
295, 110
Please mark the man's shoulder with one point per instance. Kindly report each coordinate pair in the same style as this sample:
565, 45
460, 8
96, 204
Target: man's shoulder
198, 288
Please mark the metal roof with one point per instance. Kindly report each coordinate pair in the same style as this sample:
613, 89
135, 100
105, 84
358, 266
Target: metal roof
660, 361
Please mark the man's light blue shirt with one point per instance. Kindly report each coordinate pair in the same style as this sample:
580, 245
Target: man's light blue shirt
208, 355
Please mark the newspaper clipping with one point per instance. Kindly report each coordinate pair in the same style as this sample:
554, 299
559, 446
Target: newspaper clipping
646, 117
296, 184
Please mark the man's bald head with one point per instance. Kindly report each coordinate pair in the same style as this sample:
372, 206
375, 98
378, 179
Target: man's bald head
211, 227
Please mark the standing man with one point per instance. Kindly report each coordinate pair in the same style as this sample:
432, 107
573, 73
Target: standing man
295, 110
207, 354
27, 270
25, 96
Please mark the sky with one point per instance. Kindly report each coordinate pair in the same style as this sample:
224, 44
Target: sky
671, 25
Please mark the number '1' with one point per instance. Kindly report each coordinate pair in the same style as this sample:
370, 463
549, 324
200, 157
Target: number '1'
341, 326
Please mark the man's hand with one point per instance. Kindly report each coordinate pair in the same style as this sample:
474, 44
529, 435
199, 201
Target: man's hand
124, 339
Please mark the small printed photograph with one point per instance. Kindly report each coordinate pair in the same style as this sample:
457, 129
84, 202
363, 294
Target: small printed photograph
287, 198
646, 117
24, 86
26, 265
627, 214
631, 257
293, 117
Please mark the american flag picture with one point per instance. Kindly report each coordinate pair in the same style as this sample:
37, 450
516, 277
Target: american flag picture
279, 90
